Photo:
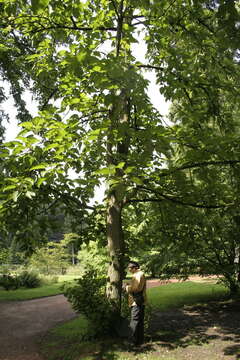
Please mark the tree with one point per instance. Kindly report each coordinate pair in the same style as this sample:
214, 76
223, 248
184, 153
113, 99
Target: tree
93, 256
72, 240
53, 258
103, 125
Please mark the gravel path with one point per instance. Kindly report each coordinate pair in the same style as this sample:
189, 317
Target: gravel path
23, 323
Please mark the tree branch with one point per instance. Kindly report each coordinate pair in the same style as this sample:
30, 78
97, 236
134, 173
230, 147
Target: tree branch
45, 210
177, 201
201, 164
139, 23
144, 200
48, 99
101, 28
195, 205
115, 8
71, 198
119, 28
153, 67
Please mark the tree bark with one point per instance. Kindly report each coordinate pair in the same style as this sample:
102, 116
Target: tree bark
115, 247
117, 152
73, 254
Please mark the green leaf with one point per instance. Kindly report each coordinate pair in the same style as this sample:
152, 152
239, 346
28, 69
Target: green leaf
51, 146
9, 187
30, 194
4, 153
40, 181
106, 171
15, 196
129, 169
120, 165
39, 167
38, 5
137, 180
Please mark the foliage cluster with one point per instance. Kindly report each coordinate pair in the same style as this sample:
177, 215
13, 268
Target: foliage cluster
8, 282
28, 280
87, 296
25, 279
93, 253
54, 258
4, 255
185, 241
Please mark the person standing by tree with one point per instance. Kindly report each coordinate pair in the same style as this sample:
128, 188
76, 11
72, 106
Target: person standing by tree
136, 290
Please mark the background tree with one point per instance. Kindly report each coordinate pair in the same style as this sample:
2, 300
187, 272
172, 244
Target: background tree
52, 259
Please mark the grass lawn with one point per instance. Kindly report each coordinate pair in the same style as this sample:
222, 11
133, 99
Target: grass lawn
67, 341
67, 277
27, 294
176, 295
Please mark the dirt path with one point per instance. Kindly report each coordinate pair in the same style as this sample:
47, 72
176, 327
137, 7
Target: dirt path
23, 323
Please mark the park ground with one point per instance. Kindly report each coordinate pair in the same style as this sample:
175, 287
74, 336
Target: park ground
204, 331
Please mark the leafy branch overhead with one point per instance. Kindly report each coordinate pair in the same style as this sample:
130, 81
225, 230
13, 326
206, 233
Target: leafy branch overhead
88, 75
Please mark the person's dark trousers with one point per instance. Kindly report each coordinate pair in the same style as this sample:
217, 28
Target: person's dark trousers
137, 324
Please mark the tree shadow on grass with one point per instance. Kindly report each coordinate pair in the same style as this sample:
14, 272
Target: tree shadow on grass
199, 325
114, 349
233, 350
215, 323
193, 327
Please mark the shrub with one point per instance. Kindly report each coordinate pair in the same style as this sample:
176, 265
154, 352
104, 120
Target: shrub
28, 279
88, 297
9, 282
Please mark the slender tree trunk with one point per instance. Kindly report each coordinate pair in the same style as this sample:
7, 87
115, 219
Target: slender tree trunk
115, 247
73, 254
238, 267
116, 195
117, 152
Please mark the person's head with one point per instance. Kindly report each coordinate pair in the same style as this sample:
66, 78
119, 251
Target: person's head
133, 266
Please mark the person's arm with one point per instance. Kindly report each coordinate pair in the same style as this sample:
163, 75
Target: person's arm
137, 284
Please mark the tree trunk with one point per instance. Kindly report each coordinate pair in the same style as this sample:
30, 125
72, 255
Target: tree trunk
73, 254
115, 247
117, 152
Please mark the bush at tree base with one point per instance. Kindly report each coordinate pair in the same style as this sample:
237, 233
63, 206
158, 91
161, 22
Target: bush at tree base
88, 297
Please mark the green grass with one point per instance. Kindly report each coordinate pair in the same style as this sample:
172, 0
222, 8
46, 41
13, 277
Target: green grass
179, 294
67, 341
73, 329
67, 277
27, 294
